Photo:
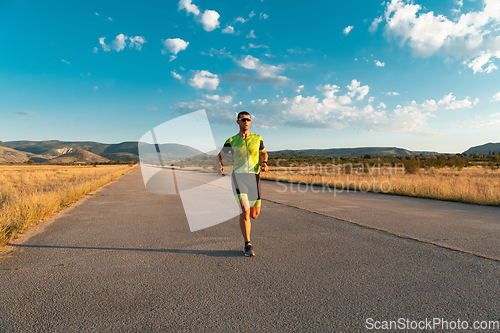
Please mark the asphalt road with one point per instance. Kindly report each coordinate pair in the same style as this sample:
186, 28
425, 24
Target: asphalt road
124, 260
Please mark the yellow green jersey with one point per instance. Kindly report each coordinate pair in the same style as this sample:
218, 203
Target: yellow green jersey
245, 152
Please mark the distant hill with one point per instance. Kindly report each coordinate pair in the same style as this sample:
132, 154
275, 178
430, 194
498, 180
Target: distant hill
11, 155
54, 147
124, 147
124, 157
354, 152
484, 149
82, 156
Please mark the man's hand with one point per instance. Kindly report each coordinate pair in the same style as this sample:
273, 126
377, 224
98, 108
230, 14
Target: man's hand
264, 167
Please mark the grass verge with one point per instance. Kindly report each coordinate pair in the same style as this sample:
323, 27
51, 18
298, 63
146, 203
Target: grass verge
475, 185
29, 194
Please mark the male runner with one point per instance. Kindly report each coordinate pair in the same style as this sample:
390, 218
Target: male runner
246, 148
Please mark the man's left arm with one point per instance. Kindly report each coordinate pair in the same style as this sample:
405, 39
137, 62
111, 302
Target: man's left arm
263, 154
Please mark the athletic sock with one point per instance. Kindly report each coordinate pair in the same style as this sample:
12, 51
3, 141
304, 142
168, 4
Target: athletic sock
246, 243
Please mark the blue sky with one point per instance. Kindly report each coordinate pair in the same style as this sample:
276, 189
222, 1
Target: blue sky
420, 75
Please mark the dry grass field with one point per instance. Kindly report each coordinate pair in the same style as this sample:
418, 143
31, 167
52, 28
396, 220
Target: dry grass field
475, 185
30, 193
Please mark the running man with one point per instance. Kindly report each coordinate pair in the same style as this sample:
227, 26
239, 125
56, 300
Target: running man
246, 148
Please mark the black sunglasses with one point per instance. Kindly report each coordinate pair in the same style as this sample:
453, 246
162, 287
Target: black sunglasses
245, 119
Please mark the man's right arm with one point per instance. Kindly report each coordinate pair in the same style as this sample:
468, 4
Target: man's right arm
218, 162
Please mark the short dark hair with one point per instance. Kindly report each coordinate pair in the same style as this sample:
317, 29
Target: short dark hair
243, 113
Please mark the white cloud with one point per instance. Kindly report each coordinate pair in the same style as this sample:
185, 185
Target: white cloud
430, 105
189, 7
223, 99
263, 16
240, 19
379, 64
204, 80
252, 14
109, 18
299, 88
251, 34
371, 99
356, 88
96, 49
450, 102
120, 41
472, 36
174, 45
176, 75
137, 41
264, 73
229, 30
496, 97
210, 20
382, 105
254, 46
66, 62
96, 87
104, 46
392, 93
348, 29
373, 27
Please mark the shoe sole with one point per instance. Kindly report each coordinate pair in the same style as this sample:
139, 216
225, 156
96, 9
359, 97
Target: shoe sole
249, 254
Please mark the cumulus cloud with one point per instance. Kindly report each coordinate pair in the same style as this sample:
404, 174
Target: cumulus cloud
96, 49
299, 88
229, 30
251, 35
373, 27
136, 42
120, 41
263, 73
263, 16
330, 110
316, 112
472, 36
204, 80
222, 99
356, 88
348, 29
392, 93
210, 20
450, 102
379, 64
189, 7
496, 97
174, 45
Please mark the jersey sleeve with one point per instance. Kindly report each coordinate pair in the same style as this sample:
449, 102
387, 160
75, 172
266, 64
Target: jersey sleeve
261, 146
227, 147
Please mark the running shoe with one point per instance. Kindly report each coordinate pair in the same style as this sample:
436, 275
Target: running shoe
249, 252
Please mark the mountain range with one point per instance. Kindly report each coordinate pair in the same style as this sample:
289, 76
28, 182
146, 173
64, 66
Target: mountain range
54, 151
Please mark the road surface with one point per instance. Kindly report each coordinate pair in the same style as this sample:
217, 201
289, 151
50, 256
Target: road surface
124, 260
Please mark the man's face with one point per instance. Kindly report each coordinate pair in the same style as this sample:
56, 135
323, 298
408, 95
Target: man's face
244, 122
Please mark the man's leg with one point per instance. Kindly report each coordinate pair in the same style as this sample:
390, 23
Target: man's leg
245, 224
254, 212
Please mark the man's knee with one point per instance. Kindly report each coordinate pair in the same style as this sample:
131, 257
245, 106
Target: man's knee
254, 213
